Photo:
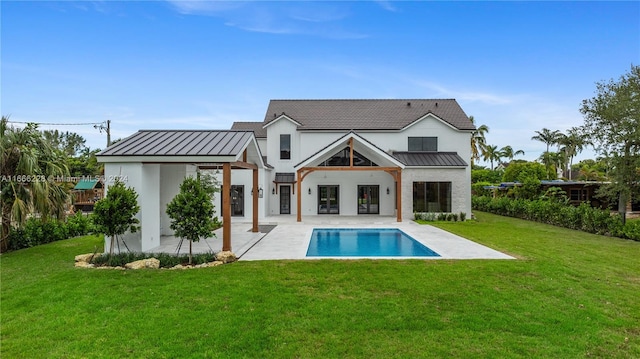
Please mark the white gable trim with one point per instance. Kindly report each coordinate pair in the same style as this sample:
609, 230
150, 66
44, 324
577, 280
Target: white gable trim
429, 114
281, 117
337, 144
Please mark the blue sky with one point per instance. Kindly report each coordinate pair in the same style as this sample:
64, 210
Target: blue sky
515, 66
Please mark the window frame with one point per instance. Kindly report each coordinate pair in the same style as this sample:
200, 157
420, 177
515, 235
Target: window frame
285, 151
424, 143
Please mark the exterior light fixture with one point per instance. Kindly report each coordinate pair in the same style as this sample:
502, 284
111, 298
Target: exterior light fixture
309, 190
260, 193
387, 190
273, 190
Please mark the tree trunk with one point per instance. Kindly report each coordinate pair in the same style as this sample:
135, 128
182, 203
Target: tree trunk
190, 253
6, 227
622, 208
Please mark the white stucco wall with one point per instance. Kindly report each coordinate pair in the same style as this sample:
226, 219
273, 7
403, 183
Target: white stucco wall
131, 175
460, 188
305, 143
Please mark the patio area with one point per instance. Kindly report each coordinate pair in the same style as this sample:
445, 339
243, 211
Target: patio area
281, 237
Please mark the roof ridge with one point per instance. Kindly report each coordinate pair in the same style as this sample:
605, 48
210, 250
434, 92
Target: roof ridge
367, 99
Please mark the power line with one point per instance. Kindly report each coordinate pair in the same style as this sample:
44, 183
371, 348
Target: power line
59, 124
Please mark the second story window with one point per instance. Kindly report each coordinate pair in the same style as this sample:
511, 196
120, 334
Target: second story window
423, 144
285, 147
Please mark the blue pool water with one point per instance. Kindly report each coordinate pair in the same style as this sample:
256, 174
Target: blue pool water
368, 242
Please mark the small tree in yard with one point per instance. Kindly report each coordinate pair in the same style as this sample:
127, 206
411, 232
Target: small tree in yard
115, 213
192, 211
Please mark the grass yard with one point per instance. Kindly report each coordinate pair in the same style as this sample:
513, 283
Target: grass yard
569, 295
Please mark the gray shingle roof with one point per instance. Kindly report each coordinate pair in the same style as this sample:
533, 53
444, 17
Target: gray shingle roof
180, 143
366, 114
428, 159
256, 127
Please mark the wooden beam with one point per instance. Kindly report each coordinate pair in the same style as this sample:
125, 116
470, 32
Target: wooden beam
351, 152
298, 197
245, 165
254, 229
399, 194
226, 207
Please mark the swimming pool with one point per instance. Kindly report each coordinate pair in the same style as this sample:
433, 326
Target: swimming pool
365, 242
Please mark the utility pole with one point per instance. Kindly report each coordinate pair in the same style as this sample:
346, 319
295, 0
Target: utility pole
101, 127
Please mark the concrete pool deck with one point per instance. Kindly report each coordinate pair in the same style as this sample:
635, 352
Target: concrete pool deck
290, 239
284, 238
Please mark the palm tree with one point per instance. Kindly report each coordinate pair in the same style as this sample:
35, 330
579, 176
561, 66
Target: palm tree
507, 152
552, 161
28, 163
573, 143
491, 154
478, 141
547, 136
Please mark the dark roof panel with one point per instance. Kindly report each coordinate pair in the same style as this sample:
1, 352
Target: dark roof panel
366, 114
430, 159
285, 177
256, 127
180, 143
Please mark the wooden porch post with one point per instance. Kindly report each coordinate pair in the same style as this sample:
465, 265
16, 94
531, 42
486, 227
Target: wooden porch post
226, 207
399, 194
299, 199
255, 201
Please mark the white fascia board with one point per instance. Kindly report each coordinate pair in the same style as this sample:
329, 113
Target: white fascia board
434, 116
253, 141
436, 167
285, 117
167, 159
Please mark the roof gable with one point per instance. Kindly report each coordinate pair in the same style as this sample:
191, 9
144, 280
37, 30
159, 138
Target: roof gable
366, 114
366, 148
256, 127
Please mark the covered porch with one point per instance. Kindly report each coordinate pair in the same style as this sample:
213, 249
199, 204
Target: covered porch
154, 164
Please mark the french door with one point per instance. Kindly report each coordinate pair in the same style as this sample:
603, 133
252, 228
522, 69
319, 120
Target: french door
368, 199
328, 199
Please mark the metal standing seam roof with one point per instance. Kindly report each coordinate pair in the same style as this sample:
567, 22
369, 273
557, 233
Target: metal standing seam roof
430, 159
86, 184
180, 143
366, 114
285, 177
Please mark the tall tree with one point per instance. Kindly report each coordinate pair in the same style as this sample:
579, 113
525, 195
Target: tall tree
478, 141
491, 154
29, 166
612, 120
546, 136
192, 211
573, 142
508, 152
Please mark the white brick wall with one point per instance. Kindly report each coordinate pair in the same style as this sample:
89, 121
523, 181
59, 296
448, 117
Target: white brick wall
460, 179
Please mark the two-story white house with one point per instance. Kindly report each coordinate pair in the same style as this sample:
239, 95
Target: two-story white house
356, 157
306, 158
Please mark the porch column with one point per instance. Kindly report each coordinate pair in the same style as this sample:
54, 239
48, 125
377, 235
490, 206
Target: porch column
399, 195
254, 229
299, 199
226, 207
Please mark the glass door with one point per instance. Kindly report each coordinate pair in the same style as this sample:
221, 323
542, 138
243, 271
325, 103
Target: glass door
328, 200
237, 200
368, 199
285, 199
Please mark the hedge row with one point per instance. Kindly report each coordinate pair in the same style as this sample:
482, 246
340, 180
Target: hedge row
36, 232
583, 217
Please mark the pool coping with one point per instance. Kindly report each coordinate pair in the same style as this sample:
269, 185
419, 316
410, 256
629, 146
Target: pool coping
290, 240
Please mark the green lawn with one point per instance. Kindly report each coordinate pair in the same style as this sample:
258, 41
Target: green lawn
569, 295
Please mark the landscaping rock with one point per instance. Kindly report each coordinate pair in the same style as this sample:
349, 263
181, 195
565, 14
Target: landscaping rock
86, 257
226, 257
144, 263
84, 265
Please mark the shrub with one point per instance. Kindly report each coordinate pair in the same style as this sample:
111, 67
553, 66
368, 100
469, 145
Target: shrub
166, 260
36, 232
556, 211
463, 216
